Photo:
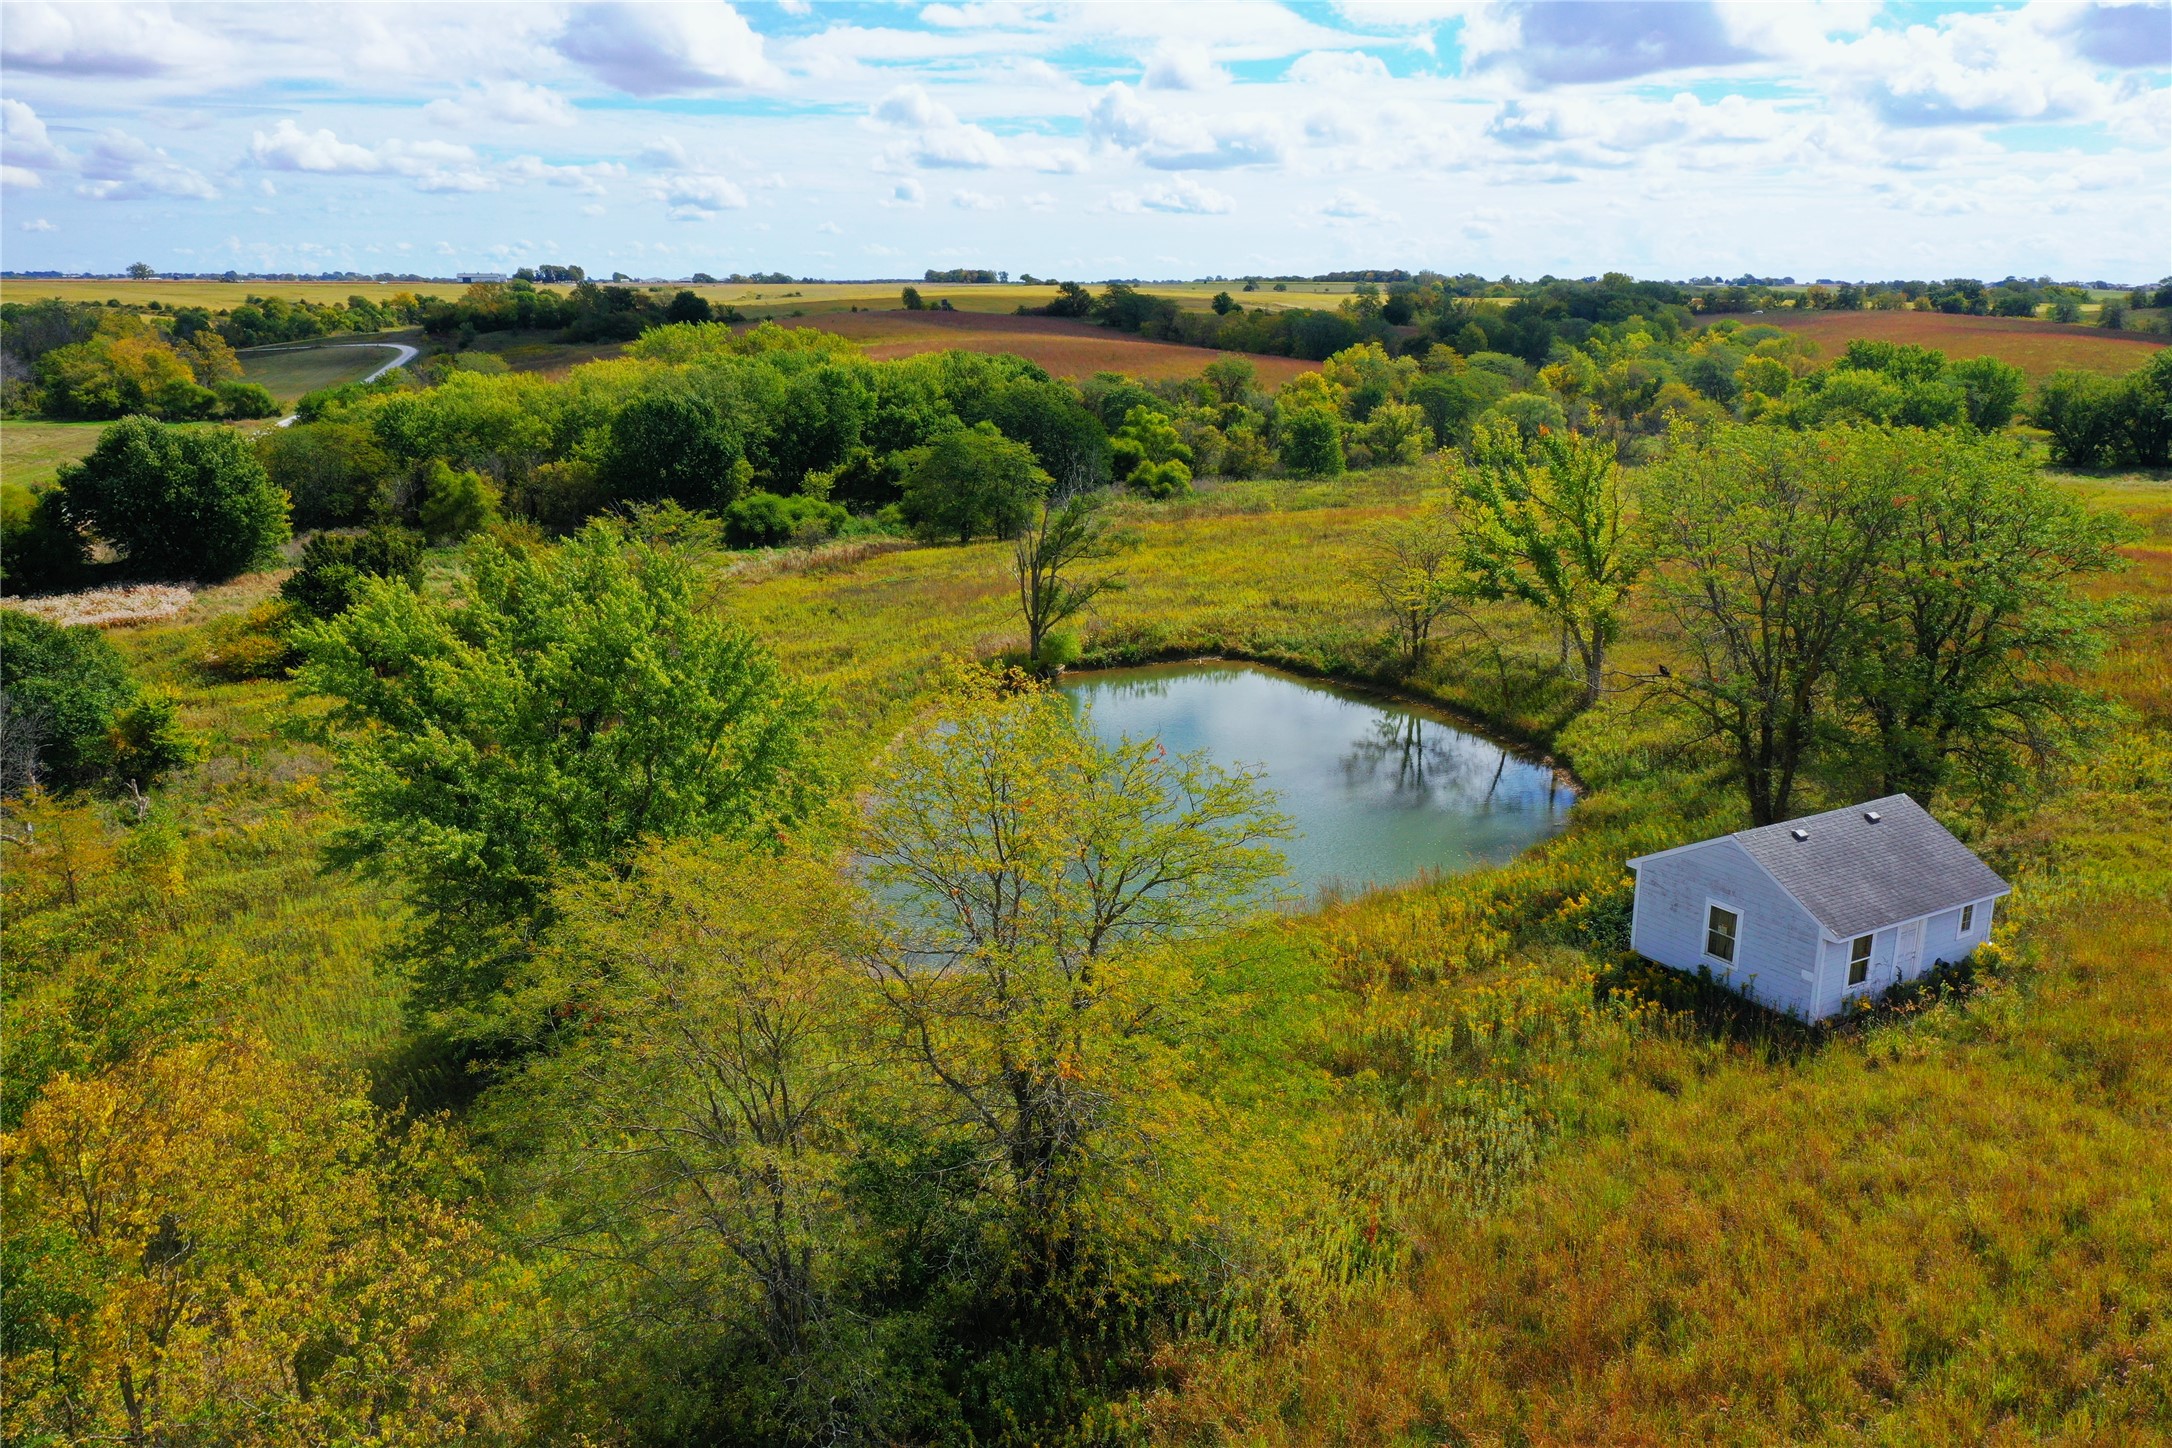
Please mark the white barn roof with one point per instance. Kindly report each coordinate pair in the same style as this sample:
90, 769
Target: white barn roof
1870, 865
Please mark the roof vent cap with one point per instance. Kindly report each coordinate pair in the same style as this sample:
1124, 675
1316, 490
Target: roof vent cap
1871, 815
1800, 834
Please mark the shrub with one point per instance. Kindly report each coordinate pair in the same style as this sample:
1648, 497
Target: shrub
178, 501
246, 400
1312, 443
455, 503
1397, 432
1530, 413
40, 549
334, 565
765, 520
333, 472
1148, 437
147, 740
70, 713
184, 401
2084, 413
1171, 479
1246, 454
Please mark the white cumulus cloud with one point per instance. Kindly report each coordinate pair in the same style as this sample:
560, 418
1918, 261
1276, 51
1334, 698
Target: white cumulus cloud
658, 50
1179, 197
122, 167
510, 102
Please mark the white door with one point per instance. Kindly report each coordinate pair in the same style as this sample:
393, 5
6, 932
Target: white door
1909, 951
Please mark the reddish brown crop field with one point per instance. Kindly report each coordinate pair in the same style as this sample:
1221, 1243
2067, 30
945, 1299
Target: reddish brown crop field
1066, 348
2037, 348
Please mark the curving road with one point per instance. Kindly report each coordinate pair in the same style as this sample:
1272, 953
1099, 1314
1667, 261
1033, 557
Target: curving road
406, 355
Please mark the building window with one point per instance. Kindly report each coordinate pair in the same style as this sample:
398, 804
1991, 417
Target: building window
1968, 919
1719, 934
1859, 960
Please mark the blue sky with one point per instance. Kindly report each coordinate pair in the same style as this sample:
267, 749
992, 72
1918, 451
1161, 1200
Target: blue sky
1170, 139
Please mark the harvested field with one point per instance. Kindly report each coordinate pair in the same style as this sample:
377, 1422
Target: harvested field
2037, 348
1066, 348
764, 299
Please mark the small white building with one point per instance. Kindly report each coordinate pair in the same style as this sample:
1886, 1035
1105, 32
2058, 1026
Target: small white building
1804, 916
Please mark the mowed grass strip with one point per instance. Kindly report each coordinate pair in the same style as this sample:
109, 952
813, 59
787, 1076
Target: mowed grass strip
2037, 348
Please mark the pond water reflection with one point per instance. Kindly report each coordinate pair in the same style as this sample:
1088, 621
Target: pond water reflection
1381, 792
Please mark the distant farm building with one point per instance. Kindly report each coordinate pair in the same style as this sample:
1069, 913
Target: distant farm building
1805, 916
481, 277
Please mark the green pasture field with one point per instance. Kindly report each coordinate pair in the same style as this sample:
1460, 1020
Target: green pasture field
31, 453
294, 369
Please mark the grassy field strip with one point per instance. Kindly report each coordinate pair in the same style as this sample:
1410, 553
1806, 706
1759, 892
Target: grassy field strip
291, 371
31, 453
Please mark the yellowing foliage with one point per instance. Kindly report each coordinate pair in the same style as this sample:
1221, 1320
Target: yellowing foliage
215, 1247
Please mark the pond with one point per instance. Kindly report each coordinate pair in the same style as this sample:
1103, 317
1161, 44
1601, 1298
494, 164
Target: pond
1380, 792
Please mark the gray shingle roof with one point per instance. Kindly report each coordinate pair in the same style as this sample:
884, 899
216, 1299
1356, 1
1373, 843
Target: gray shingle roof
1856, 876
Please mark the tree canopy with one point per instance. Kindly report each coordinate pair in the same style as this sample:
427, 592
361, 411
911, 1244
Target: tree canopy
559, 709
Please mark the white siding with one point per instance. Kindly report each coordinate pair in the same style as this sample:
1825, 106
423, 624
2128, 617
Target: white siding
1776, 947
1943, 943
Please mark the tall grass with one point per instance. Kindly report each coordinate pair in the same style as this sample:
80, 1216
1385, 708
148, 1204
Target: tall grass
1476, 1185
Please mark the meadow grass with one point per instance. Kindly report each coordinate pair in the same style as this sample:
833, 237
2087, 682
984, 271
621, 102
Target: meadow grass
1505, 1199
292, 370
31, 453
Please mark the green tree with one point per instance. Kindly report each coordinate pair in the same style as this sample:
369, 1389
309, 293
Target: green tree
1229, 379
688, 307
1150, 455
41, 549
694, 1123
1310, 442
1546, 523
557, 710
455, 502
1058, 538
60, 691
1978, 612
970, 483
1224, 304
1030, 880
1769, 543
2085, 413
912, 301
182, 502
1413, 568
1991, 390
332, 471
329, 581
673, 444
